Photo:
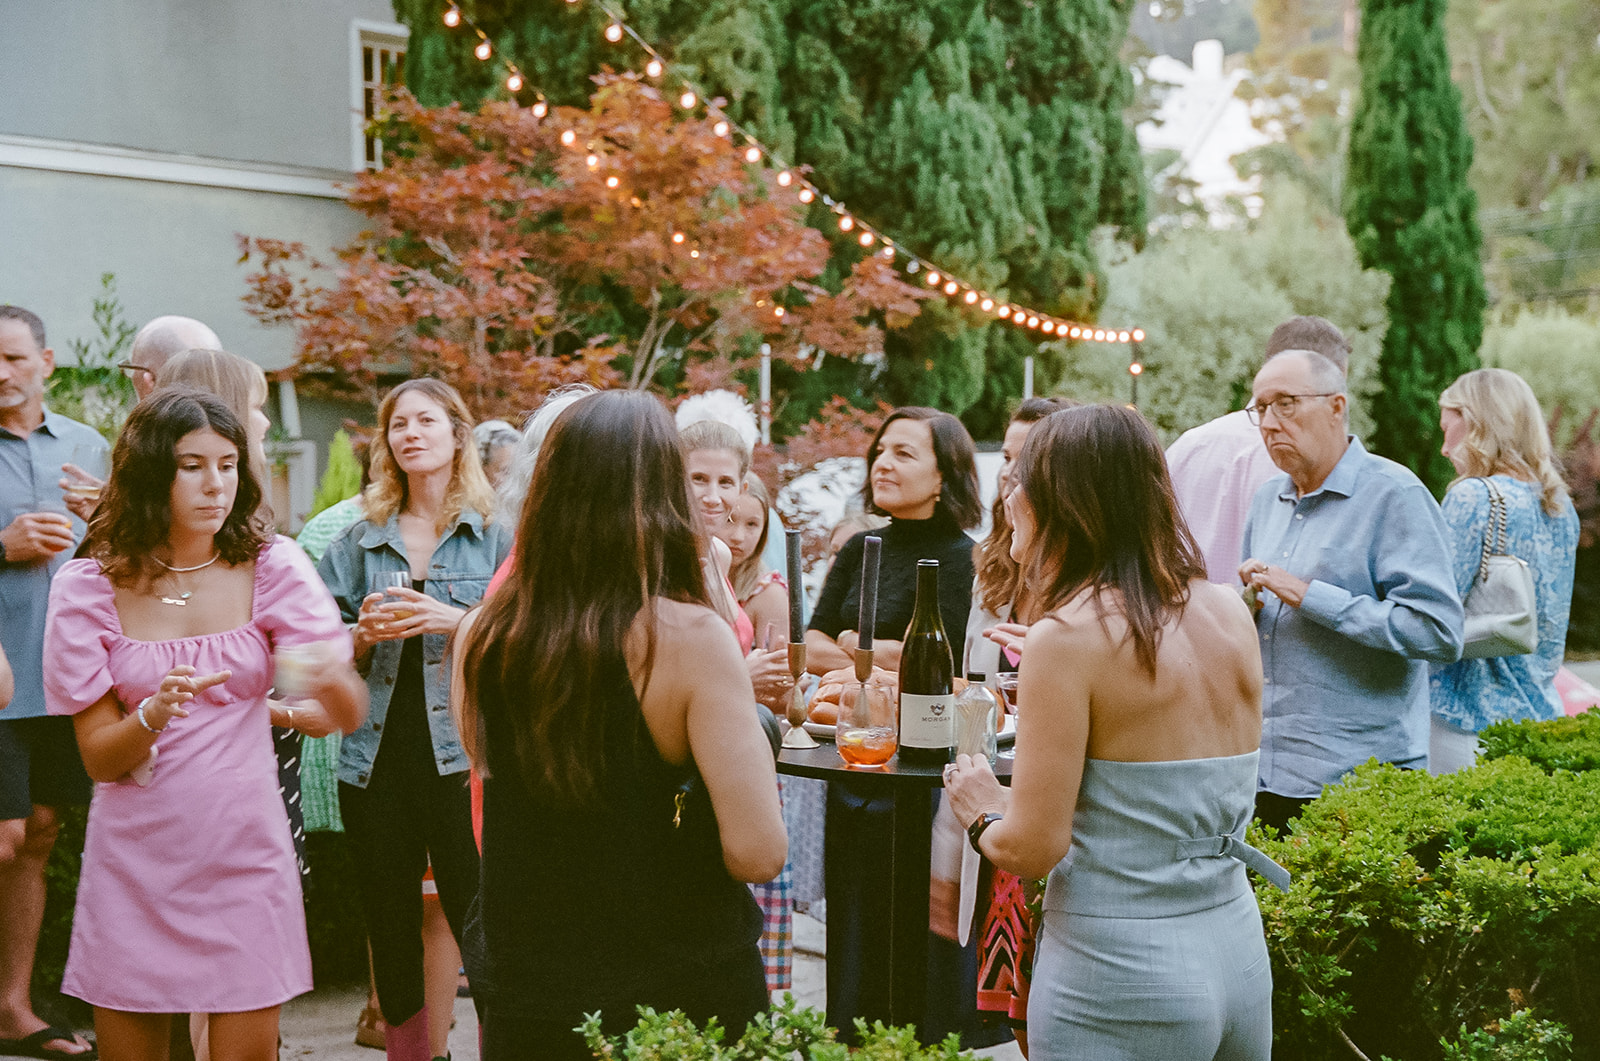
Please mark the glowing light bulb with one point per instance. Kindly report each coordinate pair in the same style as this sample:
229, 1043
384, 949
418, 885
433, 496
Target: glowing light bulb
986, 305
972, 297
951, 287
614, 32
752, 154
1075, 332
686, 100
612, 182
888, 254
1033, 322
721, 128
540, 109
1138, 335
653, 68
694, 253
677, 237
846, 223
933, 279
785, 179
452, 18
1099, 335
514, 82
1005, 312
1123, 337
1135, 369
866, 239
483, 50
779, 312
592, 161
568, 138
806, 195
1048, 327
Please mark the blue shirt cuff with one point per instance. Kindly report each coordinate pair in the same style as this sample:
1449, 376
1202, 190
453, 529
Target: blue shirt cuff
1324, 602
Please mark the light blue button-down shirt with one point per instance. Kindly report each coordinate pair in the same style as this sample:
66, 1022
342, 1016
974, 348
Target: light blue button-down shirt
30, 476
1347, 672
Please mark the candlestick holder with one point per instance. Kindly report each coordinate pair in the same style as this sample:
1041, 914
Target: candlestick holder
797, 737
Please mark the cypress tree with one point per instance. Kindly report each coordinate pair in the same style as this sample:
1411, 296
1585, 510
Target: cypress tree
987, 136
1413, 214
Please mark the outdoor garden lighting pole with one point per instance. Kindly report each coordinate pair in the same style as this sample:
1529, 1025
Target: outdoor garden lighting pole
1135, 370
765, 409
1027, 377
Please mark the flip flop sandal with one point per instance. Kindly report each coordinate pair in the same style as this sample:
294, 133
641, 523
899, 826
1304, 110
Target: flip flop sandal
33, 1045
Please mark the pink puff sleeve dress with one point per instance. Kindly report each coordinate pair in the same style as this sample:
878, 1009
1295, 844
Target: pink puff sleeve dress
189, 898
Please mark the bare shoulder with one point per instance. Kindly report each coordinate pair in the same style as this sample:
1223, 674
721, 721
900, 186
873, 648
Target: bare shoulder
1221, 606
689, 630
1076, 627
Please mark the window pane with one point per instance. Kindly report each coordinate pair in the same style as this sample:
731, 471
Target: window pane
366, 64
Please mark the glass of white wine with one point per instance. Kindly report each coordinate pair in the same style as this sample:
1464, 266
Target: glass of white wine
385, 582
91, 459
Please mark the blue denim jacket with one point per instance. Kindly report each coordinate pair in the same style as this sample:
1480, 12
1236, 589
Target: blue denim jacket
467, 555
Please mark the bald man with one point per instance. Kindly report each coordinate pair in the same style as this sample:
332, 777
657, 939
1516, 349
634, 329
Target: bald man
157, 342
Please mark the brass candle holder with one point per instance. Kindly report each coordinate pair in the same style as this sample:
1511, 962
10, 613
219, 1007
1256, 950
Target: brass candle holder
797, 737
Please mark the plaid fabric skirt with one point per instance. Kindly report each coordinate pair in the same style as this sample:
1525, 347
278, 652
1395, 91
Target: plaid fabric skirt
776, 899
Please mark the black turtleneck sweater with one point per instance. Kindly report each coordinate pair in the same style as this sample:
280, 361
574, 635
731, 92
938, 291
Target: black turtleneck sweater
905, 541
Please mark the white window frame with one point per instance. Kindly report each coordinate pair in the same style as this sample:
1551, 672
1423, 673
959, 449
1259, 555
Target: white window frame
365, 33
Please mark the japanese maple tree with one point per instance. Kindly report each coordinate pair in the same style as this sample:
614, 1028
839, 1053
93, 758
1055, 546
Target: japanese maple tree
512, 251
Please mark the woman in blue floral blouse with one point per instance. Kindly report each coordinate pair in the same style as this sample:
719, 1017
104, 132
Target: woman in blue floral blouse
1493, 427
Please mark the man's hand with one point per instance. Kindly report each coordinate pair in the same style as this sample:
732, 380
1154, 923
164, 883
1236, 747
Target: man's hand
35, 536
1260, 575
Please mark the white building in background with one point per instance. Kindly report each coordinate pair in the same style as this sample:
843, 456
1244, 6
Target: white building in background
1207, 124
139, 138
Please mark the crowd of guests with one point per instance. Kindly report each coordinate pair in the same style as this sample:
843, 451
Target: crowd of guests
533, 675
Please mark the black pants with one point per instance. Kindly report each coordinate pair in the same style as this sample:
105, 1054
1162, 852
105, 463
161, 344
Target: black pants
1278, 811
407, 817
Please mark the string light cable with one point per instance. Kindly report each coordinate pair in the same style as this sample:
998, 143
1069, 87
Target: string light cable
954, 288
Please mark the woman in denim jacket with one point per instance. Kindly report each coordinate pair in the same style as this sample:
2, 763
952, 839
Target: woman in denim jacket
403, 776
1494, 430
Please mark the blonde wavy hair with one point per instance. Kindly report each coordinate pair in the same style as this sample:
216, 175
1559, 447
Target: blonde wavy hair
1506, 432
469, 488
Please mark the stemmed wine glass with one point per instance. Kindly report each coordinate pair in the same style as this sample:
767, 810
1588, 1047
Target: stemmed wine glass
1006, 682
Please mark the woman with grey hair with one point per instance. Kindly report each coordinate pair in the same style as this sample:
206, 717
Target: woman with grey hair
512, 488
496, 441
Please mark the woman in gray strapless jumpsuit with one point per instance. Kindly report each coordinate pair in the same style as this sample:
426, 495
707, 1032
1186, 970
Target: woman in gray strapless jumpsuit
1138, 737
1152, 944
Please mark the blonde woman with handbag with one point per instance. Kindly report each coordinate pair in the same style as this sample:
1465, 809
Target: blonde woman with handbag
1495, 435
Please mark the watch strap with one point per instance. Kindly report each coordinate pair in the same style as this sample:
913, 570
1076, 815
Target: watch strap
975, 830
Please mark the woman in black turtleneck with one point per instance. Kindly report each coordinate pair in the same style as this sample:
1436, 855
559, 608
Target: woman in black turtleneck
920, 473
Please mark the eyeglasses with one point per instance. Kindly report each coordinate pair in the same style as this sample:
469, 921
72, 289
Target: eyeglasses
1284, 406
129, 368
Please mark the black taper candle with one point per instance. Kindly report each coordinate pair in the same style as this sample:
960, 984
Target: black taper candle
870, 555
797, 630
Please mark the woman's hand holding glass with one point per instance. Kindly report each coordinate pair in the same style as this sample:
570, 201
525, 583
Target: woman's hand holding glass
401, 612
769, 673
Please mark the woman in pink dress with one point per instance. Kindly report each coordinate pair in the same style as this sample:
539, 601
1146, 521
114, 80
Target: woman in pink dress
162, 644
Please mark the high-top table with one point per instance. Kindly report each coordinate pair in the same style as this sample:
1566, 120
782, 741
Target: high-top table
905, 965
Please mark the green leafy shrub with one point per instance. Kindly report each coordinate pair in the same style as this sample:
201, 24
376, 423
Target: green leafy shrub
343, 477
1422, 905
786, 1032
1560, 744
1520, 1037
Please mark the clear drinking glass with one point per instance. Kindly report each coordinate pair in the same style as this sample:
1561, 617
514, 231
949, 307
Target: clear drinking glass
1006, 683
868, 732
92, 460
385, 581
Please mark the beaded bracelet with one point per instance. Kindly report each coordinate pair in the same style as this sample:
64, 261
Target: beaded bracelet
139, 714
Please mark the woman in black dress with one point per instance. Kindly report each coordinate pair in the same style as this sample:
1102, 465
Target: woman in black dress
629, 790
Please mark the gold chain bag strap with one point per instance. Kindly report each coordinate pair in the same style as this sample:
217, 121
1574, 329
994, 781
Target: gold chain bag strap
1501, 615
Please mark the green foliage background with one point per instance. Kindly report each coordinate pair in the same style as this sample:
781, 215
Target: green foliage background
987, 136
1208, 299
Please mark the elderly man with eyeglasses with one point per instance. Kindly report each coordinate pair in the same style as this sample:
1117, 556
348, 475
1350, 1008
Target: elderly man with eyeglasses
1348, 558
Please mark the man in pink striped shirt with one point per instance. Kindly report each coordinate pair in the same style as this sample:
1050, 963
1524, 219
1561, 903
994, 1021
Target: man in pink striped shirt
1217, 467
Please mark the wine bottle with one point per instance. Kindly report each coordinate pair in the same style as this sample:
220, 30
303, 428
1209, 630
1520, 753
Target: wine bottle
927, 678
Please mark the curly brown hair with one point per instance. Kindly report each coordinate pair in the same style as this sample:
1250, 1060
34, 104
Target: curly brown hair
135, 515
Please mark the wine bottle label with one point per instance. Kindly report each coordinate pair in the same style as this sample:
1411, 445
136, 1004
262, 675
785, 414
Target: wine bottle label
927, 721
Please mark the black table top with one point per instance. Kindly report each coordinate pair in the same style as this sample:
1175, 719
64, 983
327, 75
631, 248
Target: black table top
823, 762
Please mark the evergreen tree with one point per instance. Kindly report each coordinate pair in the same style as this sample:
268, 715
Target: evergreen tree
343, 477
1412, 213
989, 137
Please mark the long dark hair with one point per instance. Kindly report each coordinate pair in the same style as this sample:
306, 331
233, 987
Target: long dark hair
607, 527
999, 577
959, 499
135, 515
1106, 520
